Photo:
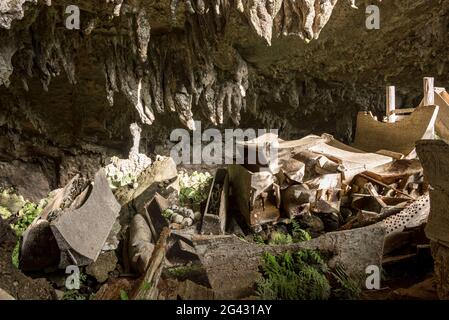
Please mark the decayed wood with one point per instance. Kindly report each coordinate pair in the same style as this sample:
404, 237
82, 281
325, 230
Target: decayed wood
394, 171
232, 264
153, 215
388, 153
391, 103
440, 254
386, 186
328, 194
414, 215
215, 216
429, 98
404, 241
255, 194
434, 155
442, 124
357, 223
295, 146
352, 160
139, 246
441, 98
403, 111
81, 233
293, 169
5, 295
372, 135
147, 289
374, 193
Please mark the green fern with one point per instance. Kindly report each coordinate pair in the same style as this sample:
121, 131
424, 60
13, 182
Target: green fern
350, 288
298, 233
298, 276
123, 295
258, 239
279, 238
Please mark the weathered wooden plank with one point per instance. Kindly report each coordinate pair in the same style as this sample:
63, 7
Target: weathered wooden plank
215, 214
83, 232
255, 194
391, 104
147, 289
372, 135
434, 155
429, 97
232, 264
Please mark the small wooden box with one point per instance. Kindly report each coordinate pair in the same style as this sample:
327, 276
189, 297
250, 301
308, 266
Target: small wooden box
215, 215
257, 196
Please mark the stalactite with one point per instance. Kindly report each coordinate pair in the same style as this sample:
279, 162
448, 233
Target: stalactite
149, 76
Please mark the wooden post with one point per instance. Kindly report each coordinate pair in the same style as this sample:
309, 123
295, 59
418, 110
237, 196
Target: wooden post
391, 103
429, 92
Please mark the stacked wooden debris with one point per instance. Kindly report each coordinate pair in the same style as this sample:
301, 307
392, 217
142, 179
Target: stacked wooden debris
320, 176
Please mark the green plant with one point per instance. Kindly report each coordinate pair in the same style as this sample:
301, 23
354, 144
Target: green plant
4, 213
27, 214
258, 239
146, 286
123, 295
350, 288
278, 238
15, 255
10, 201
74, 295
83, 278
120, 173
183, 272
167, 213
193, 188
298, 233
297, 276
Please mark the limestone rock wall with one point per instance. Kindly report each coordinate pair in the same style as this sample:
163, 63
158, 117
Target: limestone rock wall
301, 66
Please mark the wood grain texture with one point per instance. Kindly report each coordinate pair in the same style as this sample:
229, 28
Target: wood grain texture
372, 135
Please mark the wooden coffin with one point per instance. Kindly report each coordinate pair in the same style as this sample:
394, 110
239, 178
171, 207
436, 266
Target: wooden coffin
372, 135
214, 217
256, 194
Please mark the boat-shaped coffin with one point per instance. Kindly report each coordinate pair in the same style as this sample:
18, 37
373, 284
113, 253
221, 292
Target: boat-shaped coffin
372, 135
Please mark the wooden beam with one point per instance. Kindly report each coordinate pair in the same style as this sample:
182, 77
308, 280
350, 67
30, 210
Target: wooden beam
403, 111
391, 103
429, 92
147, 289
385, 185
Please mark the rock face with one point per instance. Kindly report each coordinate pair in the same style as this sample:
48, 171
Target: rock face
100, 269
299, 66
